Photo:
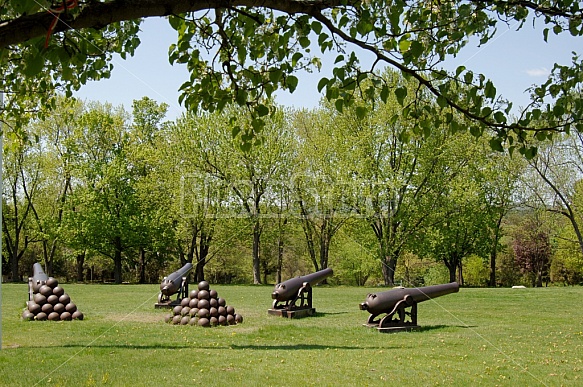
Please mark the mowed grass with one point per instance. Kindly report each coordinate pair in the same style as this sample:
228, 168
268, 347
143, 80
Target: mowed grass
489, 337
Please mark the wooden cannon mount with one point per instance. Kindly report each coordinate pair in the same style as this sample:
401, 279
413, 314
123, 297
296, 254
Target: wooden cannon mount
293, 298
175, 283
396, 309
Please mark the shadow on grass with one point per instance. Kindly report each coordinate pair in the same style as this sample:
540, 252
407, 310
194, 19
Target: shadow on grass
305, 347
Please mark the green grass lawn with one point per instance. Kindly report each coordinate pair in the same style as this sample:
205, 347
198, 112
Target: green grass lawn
491, 337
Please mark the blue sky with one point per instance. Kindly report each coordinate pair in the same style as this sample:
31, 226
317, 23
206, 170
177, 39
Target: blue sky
513, 61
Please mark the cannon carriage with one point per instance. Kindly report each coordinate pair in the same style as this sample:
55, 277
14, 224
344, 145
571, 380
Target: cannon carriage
293, 298
396, 309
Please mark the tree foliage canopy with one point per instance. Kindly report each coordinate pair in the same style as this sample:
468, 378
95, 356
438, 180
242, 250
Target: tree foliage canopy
243, 51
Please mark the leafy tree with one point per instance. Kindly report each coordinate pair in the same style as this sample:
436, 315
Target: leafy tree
553, 177
105, 207
532, 249
53, 149
251, 174
242, 52
319, 181
21, 174
396, 170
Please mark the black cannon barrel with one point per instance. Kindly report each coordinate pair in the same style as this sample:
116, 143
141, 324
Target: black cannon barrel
38, 274
288, 290
171, 284
384, 302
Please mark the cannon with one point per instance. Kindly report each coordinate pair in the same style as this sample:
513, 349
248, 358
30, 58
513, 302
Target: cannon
175, 283
38, 279
293, 298
399, 306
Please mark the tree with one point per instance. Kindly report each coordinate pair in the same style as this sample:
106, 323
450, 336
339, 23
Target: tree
320, 180
251, 174
21, 183
105, 207
553, 177
243, 51
532, 249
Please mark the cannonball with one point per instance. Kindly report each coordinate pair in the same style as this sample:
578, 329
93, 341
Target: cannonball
185, 311
39, 299
222, 311
176, 319
222, 320
168, 318
36, 286
52, 282
193, 321
66, 316
203, 304
41, 316
59, 308
203, 285
71, 307
214, 321
230, 319
47, 308
77, 315
213, 312
52, 299
58, 291
221, 301
193, 294
184, 301
203, 313
54, 316
64, 299
184, 320
33, 307
204, 322
214, 303
177, 310
193, 303
230, 310
193, 312
238, 318
203, 295
213, 293
46, 290
27, 315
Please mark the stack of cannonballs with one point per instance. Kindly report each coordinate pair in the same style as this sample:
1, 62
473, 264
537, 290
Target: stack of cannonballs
204, 307
50, 302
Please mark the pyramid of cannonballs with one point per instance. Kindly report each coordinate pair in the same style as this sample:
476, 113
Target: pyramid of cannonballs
205, 308
50, 302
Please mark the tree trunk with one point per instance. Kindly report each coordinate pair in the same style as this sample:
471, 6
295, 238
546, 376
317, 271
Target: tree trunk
117, 260
256, 245
80, 260
279, 259
494, 253
142, 259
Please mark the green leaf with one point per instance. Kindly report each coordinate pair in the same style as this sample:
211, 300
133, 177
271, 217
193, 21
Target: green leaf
490, 90
401, 93
339, 104
34, 65
442, 101
361, 112
262, 110
322, 83
496, 144
291, 83
316, 27
235, 131
304, 42
384, 93
404, 45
